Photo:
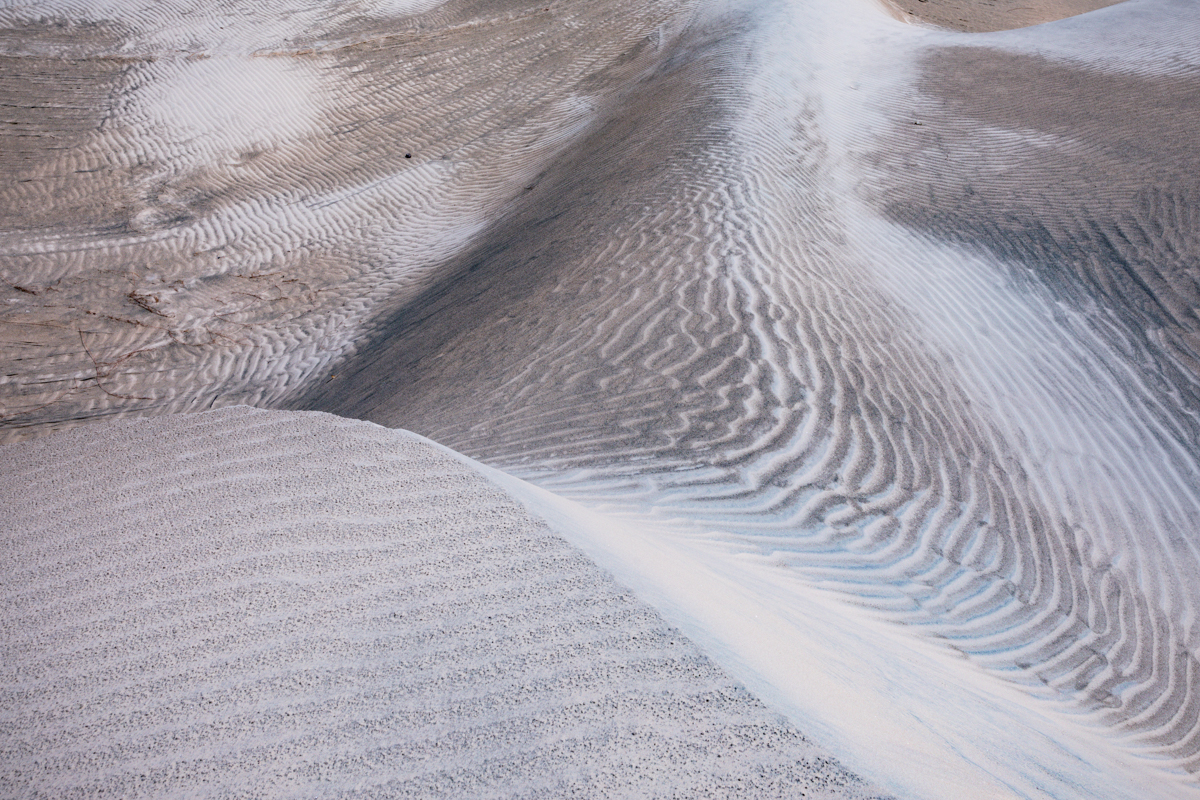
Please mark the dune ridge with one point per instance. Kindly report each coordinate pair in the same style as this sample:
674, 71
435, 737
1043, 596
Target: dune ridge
748, 345
908, 314
288, 604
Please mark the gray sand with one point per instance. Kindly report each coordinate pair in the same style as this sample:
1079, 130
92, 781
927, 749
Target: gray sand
909, 314
991, 15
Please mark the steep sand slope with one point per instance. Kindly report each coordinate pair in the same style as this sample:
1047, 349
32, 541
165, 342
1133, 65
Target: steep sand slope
275, 604
908, 312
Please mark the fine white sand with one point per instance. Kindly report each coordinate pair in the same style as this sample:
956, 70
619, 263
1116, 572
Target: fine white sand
270, 604
867, 352
868, 308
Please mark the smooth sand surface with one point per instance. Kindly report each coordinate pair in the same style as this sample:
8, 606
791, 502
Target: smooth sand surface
271, 604
978, 16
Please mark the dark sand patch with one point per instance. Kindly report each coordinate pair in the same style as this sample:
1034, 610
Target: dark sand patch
228, 264
977, 16
1086, 181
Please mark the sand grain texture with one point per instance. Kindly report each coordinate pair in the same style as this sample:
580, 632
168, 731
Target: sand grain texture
202, 205
893, 314
275, 604
839, 323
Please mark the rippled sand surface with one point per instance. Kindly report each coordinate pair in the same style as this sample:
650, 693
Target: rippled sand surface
838, 318
254, 603
206, 203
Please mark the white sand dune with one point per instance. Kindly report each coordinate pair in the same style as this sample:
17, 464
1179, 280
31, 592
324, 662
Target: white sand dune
882, 317
253, 603
800, 301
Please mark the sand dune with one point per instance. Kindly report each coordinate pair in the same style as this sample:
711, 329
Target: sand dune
283, 605
900, 315
205, 204
764, 338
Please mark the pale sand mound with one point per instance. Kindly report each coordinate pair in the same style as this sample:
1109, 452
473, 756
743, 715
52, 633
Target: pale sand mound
978, 16
280, 604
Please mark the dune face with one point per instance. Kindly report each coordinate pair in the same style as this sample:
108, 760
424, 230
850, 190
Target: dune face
904, 315
196, 616
920, 337
1100, 210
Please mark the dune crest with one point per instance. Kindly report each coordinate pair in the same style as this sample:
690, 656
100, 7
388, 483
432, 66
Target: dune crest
289, 604
776, 331
837, 305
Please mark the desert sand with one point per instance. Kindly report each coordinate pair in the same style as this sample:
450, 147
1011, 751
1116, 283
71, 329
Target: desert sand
273, 604
864, 353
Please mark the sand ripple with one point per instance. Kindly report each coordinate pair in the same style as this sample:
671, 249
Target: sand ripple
910, 314
202, 206
259, 603
739, 339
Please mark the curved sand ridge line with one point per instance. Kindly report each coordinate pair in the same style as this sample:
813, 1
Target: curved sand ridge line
202, 208
1088, 220
264, 602
739, 338
819, 288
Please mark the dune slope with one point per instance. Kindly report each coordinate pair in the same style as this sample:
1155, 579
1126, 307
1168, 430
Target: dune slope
978, 16
857, 302
838, 305
276, 604
203, 204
